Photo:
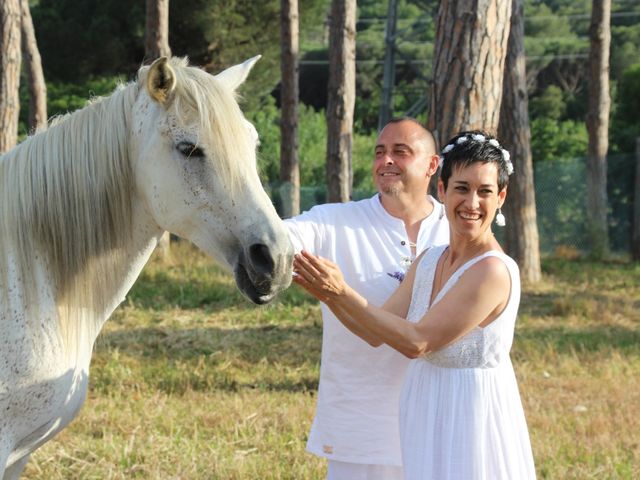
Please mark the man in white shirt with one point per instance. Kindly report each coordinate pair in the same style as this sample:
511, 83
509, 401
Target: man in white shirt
373, 241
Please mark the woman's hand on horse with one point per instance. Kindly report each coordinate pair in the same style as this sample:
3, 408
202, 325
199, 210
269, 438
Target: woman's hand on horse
320, 277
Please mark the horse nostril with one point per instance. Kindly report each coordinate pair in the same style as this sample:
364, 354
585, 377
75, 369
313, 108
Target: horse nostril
261, 259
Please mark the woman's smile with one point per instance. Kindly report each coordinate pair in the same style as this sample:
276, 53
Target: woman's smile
470, 216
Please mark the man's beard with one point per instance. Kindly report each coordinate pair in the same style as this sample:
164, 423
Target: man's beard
392, 190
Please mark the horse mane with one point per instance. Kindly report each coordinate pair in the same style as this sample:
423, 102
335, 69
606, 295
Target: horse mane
65, 197
66, 192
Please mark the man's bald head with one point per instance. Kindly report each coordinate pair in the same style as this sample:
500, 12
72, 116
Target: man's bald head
424, 136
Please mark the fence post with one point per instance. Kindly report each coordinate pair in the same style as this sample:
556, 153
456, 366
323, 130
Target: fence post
635, 236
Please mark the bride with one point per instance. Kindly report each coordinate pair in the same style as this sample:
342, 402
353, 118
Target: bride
461, 416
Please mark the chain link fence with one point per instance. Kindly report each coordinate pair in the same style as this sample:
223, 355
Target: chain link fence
561, 203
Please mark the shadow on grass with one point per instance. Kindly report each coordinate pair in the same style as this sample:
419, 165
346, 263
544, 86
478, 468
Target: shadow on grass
162, 289
588, 339
537, 304
580, 269
249, 344
211, 358
591, 306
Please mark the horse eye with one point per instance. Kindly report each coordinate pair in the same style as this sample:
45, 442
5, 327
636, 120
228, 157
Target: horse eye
189, 150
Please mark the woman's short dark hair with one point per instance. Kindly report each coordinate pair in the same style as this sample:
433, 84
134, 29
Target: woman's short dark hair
475, 146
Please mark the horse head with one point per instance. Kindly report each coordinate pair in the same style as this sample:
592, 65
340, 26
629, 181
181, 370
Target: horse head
194, 156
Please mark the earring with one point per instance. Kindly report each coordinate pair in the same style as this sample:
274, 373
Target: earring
500, 220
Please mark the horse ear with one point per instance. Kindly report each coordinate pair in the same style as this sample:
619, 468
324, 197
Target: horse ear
161, 80
235, 76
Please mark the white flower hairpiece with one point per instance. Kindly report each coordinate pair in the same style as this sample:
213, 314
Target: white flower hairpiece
477, 137
446, 149
507, 160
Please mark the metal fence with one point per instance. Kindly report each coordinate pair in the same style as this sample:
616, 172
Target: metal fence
561, 203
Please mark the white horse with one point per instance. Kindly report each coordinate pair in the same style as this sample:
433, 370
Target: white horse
82, 206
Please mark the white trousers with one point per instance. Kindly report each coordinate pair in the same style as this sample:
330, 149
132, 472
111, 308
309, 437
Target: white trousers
362, 471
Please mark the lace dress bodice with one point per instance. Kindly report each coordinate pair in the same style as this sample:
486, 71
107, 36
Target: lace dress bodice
482, 347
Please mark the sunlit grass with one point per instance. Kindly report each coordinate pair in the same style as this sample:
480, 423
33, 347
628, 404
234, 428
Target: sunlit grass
190, 381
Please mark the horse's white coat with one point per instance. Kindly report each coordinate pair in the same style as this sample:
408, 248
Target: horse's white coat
216, 201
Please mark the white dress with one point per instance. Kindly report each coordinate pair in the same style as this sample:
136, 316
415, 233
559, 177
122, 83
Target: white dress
461, 416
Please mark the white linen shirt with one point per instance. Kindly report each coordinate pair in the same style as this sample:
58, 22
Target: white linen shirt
356, 417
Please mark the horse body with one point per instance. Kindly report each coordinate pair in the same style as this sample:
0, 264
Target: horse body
43, 383
78, 230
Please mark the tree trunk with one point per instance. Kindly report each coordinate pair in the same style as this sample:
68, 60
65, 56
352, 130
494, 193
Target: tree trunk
341, 99
521, 231
635, 236
289, 166
156, 36
468, 71
598, 126
156, 44
9, 73
35, 75
389, 72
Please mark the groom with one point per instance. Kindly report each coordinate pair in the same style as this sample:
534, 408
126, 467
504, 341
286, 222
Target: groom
373, 241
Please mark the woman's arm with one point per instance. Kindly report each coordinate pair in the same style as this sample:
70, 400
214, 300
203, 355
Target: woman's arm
397, 304
308, 276
477, 298
323, 279
480, 294
354, 326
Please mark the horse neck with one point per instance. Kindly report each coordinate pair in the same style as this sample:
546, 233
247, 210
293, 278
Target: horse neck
125, 270
68, 197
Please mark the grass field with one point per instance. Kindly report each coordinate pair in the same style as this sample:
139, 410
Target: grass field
189, 381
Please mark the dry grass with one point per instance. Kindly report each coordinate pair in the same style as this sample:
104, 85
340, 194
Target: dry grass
577, 356
189, 381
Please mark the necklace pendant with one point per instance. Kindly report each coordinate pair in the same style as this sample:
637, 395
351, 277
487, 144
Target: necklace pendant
406, 262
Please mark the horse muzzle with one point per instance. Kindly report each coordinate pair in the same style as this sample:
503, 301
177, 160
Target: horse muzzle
262, 272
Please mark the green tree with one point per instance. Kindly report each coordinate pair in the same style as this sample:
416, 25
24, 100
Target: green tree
81, 40
416, 36
626, 51
312, 140
553, 140
549, 104
625, 126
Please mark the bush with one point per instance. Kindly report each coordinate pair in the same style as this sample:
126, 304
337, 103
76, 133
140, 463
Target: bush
552, 139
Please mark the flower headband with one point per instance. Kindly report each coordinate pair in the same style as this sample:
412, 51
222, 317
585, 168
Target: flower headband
477, 137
